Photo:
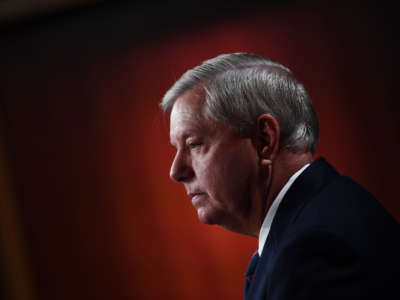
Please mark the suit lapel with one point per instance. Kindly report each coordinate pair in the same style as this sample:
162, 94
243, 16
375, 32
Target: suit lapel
308, 184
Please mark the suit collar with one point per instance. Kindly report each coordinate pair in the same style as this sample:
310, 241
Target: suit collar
308, 184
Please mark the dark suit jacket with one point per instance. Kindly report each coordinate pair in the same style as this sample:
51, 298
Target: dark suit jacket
330, 239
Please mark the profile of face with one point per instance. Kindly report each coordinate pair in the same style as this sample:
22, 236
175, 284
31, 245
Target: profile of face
219, 168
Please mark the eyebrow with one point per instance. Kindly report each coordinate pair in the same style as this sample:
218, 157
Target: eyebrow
196, 130
195, 127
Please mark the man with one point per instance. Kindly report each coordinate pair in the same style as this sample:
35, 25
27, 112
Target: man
245, 132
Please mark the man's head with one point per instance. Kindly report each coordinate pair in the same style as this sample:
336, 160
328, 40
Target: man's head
231, 119
239, 87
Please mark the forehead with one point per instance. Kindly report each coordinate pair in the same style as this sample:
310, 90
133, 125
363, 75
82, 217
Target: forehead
187, 116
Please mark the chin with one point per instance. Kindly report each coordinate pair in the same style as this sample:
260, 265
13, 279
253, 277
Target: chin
207, 216
213, 217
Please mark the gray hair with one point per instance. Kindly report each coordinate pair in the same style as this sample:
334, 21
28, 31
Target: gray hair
239, 87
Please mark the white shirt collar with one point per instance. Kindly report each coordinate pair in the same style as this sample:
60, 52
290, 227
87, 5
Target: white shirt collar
266, 226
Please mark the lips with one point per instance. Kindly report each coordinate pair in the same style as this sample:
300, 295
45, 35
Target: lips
196, 198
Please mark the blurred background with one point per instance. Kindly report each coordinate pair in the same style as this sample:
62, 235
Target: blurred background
87, 208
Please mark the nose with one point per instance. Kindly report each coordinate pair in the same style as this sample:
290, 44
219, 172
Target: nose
181, 169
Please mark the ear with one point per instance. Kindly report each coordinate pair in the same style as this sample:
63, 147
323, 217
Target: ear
268, 133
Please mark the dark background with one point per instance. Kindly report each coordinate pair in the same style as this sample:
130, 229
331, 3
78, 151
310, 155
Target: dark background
88, 210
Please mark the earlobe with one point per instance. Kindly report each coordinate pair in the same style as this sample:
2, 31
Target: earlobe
266, 162
265, 156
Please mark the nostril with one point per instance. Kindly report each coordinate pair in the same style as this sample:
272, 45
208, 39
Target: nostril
181, 176
180, 179
176, 173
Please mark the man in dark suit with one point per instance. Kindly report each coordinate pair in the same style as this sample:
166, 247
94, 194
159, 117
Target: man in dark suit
245, 132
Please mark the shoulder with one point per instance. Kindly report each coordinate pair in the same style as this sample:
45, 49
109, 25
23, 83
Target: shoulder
318, 263
344, 202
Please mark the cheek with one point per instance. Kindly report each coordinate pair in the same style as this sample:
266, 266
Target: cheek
238, 175
206, 172
240, 162
229, 176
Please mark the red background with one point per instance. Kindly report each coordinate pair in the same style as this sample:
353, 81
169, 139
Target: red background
88, 146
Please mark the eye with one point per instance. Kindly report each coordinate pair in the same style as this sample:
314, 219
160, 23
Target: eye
192, 144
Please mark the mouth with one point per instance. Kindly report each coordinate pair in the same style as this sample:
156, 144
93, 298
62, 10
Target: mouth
194, 195
196, 198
